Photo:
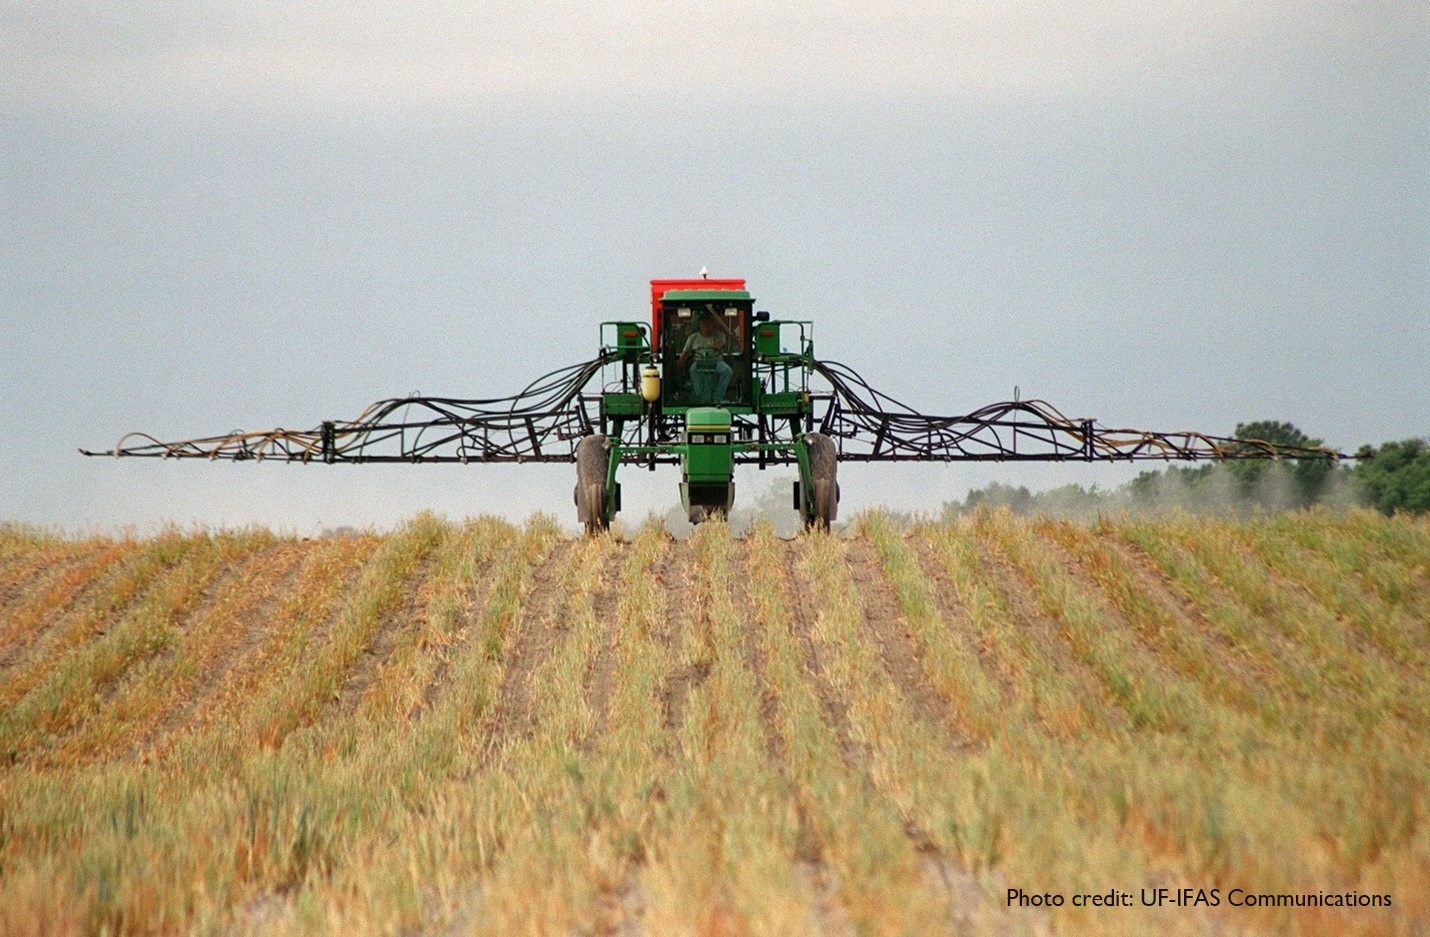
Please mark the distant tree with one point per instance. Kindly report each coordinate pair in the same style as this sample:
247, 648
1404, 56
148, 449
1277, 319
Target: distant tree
1395, 477
1019, 500
1309, 475
1147, 485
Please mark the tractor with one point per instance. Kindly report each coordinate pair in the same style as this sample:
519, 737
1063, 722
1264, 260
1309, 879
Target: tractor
708, 384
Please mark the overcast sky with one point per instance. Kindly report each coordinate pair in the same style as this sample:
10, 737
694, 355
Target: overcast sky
221, 215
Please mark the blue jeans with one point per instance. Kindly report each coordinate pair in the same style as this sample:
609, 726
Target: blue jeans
710, 381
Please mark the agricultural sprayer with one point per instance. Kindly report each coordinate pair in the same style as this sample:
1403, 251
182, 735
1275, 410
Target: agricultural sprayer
707, 385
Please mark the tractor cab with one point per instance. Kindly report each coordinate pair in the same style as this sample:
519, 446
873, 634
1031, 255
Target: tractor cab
704, 340
696, 368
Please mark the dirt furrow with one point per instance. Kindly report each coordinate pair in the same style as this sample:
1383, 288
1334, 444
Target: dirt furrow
1046, 635
599, 679
211, 594
106, 600
535, 636
1155, 582
1348, 590
884, 619
1268, 665
245, 630
682, 608
28, 585
15, 565
1287, 580
1140, 633
753, 655
1153, 586
410, 614
131, 704
318, 636
672, 571
957, 618
802, 624
28, 624
474, 602
20, 574
1151, 572
255, 704
99, 654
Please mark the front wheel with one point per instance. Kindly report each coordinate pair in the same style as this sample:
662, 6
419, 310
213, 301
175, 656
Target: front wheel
822, 502
591, 464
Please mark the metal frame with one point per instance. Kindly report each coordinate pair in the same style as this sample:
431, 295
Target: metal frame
544, 422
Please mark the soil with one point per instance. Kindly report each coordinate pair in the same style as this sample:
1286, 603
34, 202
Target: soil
474, 603
1045, 633
600, 678
409, 615
681, 597
30, 625
753, 656
956, 617
803, 617
249, 623
884, 620
535, 635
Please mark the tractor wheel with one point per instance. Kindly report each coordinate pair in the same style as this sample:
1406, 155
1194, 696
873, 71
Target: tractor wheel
591, 463
823, 502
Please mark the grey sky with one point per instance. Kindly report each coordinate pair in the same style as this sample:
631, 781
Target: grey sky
455, 54
236, 215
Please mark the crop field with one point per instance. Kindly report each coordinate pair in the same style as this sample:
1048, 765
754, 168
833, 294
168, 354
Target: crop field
481, 727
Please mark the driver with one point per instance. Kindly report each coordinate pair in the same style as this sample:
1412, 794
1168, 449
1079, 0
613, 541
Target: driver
710, 376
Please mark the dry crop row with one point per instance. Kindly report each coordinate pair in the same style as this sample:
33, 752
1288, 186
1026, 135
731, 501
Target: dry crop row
479, 727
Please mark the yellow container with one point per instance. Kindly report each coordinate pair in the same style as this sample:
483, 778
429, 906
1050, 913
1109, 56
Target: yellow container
650, 384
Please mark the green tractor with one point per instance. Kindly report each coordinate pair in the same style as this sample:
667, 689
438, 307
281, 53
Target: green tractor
709, 384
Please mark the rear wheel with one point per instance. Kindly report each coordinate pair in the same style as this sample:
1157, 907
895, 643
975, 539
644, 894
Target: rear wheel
591, 464
822, 503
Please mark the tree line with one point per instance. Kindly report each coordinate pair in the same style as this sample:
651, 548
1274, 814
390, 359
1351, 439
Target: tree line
1391, 477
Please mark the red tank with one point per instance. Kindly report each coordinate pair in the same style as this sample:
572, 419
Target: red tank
658, 289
